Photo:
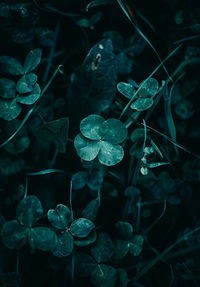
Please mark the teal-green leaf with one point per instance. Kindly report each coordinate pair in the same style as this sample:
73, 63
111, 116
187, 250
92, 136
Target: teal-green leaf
18, 146
104, 276
30, 98
124, 229
90, 126
95, 180
7, 88
91, 210
142, 104
29, 210
59, 217
42, 238
149, 89
81, 227
102, 250
123, 277
26, 83
11, 66
126, 89
110, 154
136, 245
79, 180
13, 235
9, 109
32, 60
82, 242
113, 130
64, 246
121, 249
86, 149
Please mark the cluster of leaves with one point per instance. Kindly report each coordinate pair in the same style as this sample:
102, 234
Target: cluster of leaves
25, 91
17, 232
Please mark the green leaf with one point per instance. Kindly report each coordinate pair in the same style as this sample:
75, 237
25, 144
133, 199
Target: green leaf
123, 277
149, 89
11, 66
104, 276
26, 83
86, 149
81, 227
59, 217
121, 249
13, 235
79, 180
29, 210
90, 126
142, 104
64, 246
110, 154
136, 245
42, 238
32, 60
102, 250
82, 242
95, 180
19, 146
9, 109
124, 229
7, 88
126, 89
91, 210
30, 98
113, 130
137, 134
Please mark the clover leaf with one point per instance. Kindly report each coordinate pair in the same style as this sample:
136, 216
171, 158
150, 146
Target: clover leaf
143, 99
29, 98
26, 83
27, 88
11, 65
93, 179
102, 250
101, 138
13, 234
29, 210
124, 229
126, 89
59, 217
42, 238
129, 242
81, 227
64, 246
32, 60
7, 88
104, 275
9, 109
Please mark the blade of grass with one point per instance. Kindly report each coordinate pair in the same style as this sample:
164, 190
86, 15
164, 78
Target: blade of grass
163, 254
129, 16
174, 142
46, 171
168, 111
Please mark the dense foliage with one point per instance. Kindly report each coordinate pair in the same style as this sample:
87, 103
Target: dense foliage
99, 136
